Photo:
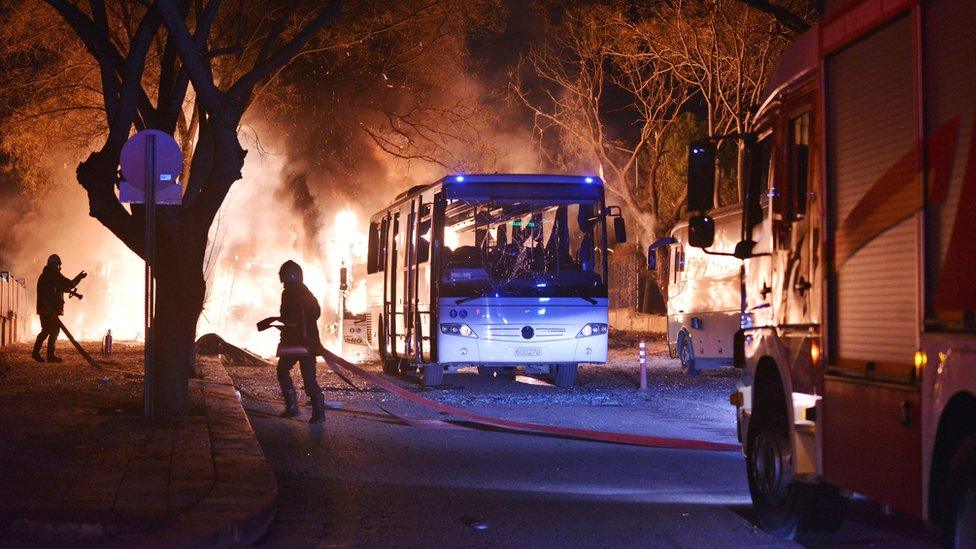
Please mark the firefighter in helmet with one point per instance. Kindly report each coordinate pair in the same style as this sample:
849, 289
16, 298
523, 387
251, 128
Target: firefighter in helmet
51, 287
299, 341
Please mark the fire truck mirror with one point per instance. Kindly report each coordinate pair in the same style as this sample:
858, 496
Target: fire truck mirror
701, 176
701, 231
619, 230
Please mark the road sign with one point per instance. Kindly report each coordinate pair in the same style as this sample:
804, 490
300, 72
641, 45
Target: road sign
151, 162
168, 165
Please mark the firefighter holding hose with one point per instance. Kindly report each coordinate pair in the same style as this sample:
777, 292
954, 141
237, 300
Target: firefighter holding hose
299, 342
51, 287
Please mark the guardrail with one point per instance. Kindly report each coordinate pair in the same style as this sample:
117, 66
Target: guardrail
15, 310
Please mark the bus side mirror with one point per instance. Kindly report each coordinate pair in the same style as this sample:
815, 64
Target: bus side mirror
743, 249
652, 249
619, 230
701, 176
701, 231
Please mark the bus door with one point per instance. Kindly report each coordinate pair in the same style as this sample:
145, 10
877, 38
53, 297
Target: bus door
409, 281
391, 286
422, 282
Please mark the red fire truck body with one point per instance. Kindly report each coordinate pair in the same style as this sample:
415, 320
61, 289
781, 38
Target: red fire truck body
858, 340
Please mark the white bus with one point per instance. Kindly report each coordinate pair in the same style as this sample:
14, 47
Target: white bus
704, 294
494, 271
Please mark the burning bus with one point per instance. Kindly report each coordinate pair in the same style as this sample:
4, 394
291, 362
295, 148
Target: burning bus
858, 338
494, 271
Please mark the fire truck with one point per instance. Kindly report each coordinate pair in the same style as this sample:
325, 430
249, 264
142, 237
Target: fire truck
858, 309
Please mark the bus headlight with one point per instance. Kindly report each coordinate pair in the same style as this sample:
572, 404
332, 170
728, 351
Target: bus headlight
462, 330
591, 329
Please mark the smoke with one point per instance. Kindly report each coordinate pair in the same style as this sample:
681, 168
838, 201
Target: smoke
56, 221
312, 178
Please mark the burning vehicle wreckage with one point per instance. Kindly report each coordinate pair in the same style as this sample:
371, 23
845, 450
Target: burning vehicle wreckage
492, 271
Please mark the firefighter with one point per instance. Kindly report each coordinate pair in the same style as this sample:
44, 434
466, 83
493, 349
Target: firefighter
51, 287
299, 341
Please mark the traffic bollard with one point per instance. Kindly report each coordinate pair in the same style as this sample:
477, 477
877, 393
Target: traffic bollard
643, 366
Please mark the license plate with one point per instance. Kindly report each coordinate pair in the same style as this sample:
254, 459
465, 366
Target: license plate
528, 351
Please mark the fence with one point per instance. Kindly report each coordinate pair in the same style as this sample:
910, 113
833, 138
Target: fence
15, 310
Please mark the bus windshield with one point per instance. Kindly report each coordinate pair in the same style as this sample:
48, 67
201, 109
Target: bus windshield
524, 248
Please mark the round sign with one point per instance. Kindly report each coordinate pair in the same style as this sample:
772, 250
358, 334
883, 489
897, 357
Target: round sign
167, 155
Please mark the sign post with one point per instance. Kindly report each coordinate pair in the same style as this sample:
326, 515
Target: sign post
151, 160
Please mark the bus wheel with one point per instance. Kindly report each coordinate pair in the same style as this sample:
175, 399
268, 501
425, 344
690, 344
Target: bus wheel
564, 375
431, 375
960, 493
391, 366
786, 508
686, 352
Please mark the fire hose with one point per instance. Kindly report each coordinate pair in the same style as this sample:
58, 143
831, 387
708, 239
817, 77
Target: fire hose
345, 369
78, 346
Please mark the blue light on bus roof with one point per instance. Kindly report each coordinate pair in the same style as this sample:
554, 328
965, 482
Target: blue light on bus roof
459, 178
589, 180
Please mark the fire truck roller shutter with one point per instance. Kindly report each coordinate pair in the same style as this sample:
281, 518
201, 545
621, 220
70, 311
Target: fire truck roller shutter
872, 189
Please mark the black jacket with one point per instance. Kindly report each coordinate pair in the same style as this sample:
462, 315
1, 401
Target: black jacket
51, 286
299, 312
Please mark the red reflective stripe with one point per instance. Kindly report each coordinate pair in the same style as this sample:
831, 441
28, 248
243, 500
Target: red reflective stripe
941, 151
895, 197
956, 290
337, 363
892, 199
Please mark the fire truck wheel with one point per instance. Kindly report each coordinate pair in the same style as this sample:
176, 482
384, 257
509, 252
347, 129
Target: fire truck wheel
564, 375
786, 508
686, 352
960, 492
431, 375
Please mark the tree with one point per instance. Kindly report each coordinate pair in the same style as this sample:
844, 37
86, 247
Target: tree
195, 69
192, 66
593, 66
725, 50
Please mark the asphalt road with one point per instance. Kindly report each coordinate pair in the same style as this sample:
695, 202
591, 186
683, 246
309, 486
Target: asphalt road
365, 478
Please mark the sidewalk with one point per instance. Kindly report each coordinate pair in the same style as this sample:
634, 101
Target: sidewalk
77, 463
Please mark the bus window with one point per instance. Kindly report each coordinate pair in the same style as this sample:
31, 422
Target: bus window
525, 247
423, 242
374, 262
799, 165
384, 243
397, 242
679, 262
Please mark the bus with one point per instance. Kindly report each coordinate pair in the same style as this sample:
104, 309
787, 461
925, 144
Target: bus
492, 271
703, 295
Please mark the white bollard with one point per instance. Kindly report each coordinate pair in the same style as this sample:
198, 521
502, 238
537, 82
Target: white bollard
643, 366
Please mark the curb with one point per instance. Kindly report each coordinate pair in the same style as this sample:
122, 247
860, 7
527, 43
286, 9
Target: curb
242, 502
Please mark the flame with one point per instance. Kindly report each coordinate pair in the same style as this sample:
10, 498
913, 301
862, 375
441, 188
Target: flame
244, 288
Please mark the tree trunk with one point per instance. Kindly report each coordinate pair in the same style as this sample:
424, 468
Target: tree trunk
180, 250
740, 169
180, 292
